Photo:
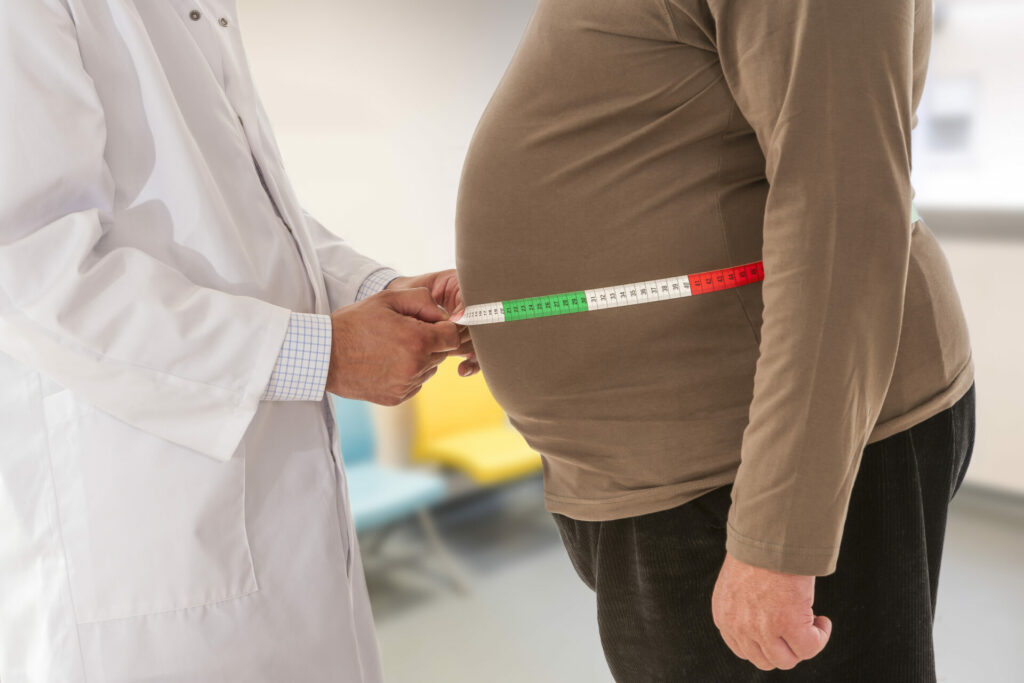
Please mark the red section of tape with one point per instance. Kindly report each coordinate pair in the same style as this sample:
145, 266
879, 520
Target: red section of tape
726, 278
695, 285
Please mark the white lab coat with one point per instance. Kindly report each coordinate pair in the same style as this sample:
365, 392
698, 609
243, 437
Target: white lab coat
158, 522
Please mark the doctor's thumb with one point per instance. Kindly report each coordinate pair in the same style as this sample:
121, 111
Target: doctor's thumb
418, 303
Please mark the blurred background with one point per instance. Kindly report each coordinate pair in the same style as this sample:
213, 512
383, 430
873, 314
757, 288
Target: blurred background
374, 105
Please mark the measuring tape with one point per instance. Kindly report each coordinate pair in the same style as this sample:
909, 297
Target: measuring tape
621, 295
612, 297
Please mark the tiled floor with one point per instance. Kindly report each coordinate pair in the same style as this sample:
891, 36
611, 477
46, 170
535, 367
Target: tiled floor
528, 618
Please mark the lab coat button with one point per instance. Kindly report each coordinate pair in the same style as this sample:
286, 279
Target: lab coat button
223, 21
195, 15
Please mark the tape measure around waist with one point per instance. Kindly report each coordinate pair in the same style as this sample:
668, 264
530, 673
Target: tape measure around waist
612, 297
620, 295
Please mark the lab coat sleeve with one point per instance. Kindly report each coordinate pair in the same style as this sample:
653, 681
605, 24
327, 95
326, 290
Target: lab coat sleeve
827, 87
124, 331
345, 269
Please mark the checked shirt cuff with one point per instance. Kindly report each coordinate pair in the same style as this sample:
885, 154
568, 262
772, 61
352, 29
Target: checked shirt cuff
301, 370
375, 282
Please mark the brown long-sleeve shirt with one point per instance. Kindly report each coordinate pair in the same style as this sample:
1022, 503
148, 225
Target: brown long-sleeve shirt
632, 140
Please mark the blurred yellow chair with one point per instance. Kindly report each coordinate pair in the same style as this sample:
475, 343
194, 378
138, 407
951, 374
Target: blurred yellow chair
459, 425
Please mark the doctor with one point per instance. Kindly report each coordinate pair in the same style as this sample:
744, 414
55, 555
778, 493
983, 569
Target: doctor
171, 502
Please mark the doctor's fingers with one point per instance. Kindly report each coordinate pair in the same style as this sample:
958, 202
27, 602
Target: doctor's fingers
440, 337
469, 367
416, 384
416, 303
429, 368
465, 349
421, 379
418, 345
411, 394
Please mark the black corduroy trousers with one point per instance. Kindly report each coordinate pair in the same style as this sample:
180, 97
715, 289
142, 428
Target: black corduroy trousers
654, 574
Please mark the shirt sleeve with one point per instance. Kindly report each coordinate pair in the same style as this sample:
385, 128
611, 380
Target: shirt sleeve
376, 282
826, 86
300, 373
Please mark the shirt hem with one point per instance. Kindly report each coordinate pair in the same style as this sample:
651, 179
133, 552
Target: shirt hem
642, 502
657, 499
933, 406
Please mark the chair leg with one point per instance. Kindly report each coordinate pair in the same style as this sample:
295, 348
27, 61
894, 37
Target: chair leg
375, 541
436, 543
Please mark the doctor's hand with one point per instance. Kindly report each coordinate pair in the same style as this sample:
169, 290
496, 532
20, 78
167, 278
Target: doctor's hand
387, 345
766, 617
444, 287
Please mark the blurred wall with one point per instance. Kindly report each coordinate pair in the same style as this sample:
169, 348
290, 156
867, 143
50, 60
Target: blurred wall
969, 143
374, 105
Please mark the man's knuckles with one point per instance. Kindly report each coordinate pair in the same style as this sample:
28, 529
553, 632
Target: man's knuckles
781, 655
757, 657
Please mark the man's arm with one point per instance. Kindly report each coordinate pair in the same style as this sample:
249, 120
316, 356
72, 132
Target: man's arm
127, 332
827, 87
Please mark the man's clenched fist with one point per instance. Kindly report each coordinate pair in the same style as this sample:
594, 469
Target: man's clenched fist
386, 346
766, 617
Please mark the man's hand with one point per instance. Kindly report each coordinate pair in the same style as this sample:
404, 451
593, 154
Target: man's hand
444, 287
386, 346
766, 617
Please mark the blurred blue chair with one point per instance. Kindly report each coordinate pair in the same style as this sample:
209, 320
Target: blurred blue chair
382, 496
379, 495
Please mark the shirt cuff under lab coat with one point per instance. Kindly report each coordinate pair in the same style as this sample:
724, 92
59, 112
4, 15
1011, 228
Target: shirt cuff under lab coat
300, 373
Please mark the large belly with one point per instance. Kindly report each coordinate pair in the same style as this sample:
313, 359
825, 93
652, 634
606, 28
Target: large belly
574, 182
536, 219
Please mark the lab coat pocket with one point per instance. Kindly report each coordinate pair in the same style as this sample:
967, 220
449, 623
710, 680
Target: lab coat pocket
147, 526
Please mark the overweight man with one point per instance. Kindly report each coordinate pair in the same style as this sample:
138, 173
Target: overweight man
172, 503
755, 479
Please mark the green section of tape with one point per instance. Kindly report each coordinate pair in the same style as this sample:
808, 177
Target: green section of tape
543, 306
914, 215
